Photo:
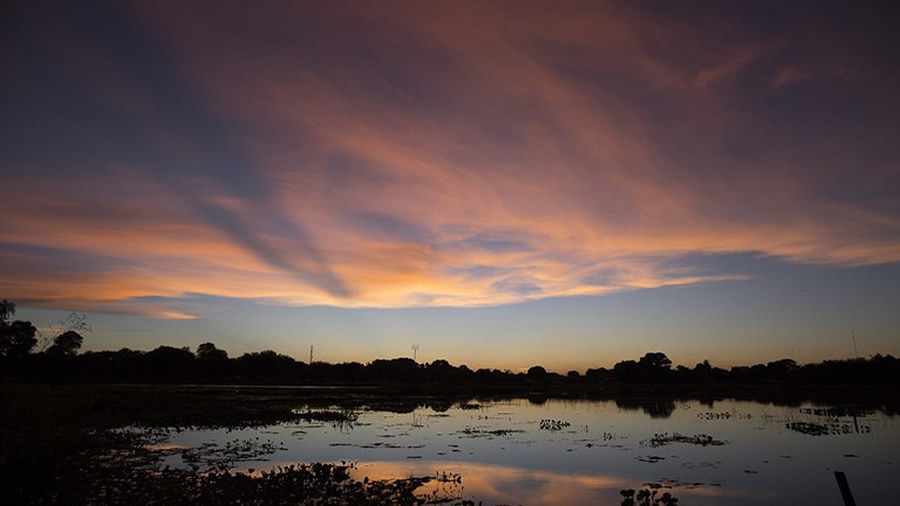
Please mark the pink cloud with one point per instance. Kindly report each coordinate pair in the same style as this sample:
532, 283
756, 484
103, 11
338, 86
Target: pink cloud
396, 152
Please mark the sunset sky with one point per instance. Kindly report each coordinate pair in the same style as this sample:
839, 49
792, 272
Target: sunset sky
504, 183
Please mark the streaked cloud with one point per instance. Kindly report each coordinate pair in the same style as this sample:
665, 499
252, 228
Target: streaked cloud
710, 76
451, 154
788, 76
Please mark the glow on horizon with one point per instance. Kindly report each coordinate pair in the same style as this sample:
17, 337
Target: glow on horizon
464, 155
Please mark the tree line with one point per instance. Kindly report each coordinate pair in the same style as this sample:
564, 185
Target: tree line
59, 361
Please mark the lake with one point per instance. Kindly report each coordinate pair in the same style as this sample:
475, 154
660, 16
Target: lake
554, 451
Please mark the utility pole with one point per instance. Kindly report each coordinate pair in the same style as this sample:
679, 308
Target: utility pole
310, 354
415, 348
855, 352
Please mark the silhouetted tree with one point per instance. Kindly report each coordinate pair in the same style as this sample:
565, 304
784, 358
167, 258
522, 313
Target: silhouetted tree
595, 375
440, 370
208, 351
267, 365
16, 338
397, 369
73, 322
652, 366
212, 362
655, 361
67, 344
626, 370
780, 368
169, 363
537, 372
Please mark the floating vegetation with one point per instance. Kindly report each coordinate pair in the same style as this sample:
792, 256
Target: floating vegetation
827, 429
701, 465
300, 484
379, 445
650, 459
674, 483
809, 428
665, 438
554, 425
723, 415
211, 456
476, 432
837, 412
646, 497
337, 417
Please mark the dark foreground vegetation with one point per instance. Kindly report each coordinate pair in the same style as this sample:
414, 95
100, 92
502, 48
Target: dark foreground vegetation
100, 444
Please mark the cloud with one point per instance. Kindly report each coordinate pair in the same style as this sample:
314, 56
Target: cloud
448, 155
710, 76
787, 76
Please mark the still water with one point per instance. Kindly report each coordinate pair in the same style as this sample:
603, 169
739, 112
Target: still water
519, 451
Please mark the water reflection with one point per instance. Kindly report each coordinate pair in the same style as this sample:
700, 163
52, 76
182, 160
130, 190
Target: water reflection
585, 452
499, 484
657, 408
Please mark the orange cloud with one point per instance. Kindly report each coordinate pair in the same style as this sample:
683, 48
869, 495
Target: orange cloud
439, 155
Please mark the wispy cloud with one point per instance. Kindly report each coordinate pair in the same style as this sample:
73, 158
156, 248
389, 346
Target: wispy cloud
710, 76
441, 154
787, 76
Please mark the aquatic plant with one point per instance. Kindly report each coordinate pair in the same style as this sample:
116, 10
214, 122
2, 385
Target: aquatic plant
663, 439
295, 484
554, 425
647, 497
343, 419
828, 428
221, 458
476, 432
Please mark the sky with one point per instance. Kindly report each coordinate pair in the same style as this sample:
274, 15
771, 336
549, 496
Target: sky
503, 183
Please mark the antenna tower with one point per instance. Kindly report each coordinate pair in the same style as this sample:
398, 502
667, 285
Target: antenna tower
415, 348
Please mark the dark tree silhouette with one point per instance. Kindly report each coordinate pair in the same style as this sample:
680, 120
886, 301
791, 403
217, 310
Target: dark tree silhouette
266, 365
627, 370
596, 375
396, 369
208, 351
73, 322
655, 361
537, 372
68, 343
169, 363
16, 338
